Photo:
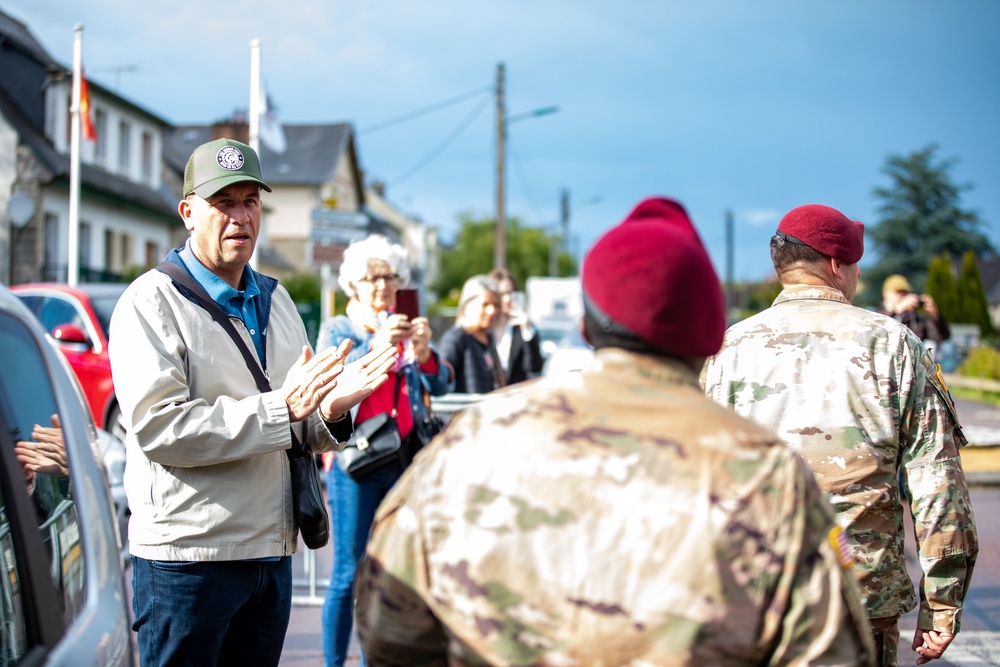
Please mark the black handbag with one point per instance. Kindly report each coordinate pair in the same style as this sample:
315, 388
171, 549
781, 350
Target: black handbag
307, 499
375, 444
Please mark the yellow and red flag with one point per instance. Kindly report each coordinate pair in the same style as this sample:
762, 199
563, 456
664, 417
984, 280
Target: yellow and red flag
86, 115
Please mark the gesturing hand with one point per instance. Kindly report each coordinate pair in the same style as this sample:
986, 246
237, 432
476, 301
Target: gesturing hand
420, 336
358, 381
312, 378
930, 644
46, 452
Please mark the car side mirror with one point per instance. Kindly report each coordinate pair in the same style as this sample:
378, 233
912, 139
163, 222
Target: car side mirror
70, 333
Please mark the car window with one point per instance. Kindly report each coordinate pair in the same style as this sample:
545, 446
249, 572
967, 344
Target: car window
53, 311
104, 306
27, 401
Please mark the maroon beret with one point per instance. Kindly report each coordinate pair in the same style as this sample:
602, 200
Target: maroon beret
825, 230
650, 277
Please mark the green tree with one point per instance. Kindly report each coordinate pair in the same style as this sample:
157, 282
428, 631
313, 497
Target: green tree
305, 288
921, 216
941, 285
528, 251
972, 306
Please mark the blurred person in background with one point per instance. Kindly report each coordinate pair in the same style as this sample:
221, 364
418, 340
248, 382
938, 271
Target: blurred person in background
516, 338
469, 346
917, 311
372, 271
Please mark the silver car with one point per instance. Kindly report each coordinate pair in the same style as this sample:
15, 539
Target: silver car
62, 596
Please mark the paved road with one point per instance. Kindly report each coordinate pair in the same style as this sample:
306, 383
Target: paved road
980, 422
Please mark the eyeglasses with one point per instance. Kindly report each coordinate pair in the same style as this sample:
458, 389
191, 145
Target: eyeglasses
388, 278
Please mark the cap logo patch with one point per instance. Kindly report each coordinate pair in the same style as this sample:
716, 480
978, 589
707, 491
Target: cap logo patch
230, 158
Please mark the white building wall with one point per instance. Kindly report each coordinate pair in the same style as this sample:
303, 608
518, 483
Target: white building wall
139, 228
287, 211
57, 124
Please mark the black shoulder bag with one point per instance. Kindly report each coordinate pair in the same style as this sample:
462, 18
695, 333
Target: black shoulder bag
307, 500
375, 444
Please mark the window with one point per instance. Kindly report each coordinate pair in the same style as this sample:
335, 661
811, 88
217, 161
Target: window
126, 251
152, 253
147, 156
52, 267
101, 127
84, 245
110, 261
38, 576
124, 146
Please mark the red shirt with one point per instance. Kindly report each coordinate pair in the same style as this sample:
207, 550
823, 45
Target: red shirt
381, 399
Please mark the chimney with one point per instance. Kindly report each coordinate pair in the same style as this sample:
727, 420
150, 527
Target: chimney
235, 127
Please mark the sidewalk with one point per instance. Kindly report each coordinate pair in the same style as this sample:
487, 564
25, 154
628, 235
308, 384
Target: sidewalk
981, 457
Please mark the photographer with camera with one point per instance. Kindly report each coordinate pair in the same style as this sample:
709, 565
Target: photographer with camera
517, 341
917, 311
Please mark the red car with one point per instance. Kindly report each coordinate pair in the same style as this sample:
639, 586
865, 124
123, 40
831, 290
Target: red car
78, 320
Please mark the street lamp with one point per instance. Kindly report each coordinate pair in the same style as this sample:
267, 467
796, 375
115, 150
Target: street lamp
500, 246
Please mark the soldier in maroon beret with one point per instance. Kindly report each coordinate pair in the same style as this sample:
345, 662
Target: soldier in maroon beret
613, 515
858, 395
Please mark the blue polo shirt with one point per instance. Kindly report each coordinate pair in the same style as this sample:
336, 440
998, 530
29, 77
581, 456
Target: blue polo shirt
241, 304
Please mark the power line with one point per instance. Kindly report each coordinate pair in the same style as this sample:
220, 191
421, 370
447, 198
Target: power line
522, 179
425, 110
444, 144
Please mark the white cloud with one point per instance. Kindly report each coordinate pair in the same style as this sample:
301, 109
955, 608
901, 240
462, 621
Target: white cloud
759, 217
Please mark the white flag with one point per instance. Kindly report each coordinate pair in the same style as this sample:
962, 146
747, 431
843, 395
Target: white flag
272, 134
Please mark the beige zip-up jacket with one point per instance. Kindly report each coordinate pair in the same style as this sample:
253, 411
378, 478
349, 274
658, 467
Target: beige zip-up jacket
206, 470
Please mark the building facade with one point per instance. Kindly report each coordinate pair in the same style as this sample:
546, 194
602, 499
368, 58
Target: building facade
128, 217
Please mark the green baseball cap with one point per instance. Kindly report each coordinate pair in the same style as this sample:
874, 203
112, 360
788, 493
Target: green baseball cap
220, 163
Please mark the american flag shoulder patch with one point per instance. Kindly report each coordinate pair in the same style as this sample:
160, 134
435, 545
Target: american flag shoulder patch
838, 540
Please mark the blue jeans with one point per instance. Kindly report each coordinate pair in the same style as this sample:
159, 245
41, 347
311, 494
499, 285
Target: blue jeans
352, 509
211, 612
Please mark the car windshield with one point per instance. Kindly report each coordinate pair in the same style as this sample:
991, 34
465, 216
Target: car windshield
104, 305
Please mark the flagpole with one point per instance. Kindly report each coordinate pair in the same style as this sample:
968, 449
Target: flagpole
73, 263
254, 124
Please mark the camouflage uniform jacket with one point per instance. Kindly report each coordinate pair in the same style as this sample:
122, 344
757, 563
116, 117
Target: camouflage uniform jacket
610, 517
858, 395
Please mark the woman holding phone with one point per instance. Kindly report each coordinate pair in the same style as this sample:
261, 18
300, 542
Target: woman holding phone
372, 272
517, 340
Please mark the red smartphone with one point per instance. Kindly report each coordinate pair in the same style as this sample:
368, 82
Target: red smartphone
408, 303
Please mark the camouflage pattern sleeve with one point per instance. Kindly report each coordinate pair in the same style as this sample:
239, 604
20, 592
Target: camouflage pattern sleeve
821, 594
386, 593
945, 527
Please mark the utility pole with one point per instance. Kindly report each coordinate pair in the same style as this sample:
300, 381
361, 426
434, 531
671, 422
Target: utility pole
500, 245
729, 262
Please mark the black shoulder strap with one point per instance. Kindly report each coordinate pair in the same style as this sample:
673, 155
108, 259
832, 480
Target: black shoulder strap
194, 288
184, 279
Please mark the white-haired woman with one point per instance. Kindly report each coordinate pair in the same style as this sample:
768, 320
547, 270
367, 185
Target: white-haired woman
468, 346
372, 270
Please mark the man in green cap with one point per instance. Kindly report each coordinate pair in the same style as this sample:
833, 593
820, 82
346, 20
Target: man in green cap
207, 477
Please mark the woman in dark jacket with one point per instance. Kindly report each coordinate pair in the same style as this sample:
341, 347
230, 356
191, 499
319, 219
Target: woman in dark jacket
468, 346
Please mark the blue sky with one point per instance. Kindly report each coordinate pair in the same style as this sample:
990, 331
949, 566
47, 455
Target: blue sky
754, 107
